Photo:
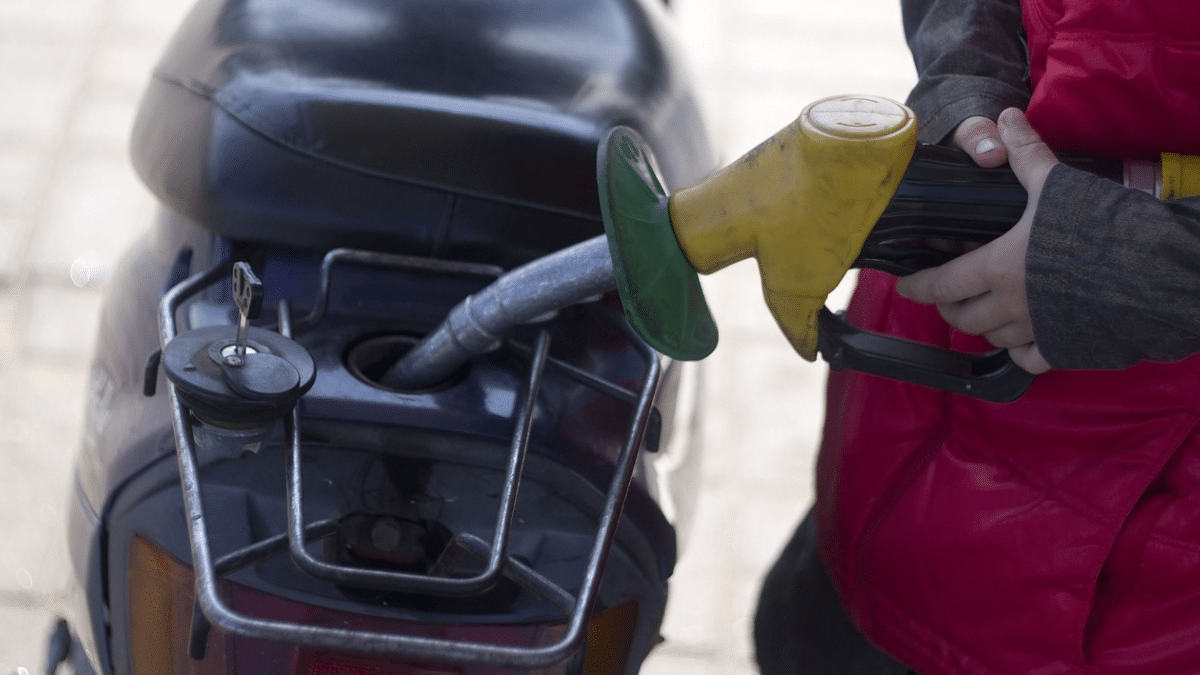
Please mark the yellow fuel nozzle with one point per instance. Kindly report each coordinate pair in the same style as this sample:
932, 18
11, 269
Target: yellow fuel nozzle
802, 203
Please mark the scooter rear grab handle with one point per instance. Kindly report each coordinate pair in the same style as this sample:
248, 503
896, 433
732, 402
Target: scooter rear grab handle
212, 610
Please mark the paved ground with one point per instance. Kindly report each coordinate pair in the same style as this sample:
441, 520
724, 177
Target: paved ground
71, 72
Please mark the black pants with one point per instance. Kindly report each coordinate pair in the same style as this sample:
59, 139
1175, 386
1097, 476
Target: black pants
802, 628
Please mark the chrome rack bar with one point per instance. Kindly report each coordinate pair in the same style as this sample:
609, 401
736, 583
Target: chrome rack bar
185, 289
387, 644
385, 261
240, 559
581, 376
424, 583
514, 569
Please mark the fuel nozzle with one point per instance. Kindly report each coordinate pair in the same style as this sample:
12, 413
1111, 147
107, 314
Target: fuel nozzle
845, 185
802, 203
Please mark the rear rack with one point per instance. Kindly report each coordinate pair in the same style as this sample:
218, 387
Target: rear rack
210, 610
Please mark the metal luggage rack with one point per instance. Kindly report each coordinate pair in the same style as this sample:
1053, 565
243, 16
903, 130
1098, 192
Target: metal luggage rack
210, 610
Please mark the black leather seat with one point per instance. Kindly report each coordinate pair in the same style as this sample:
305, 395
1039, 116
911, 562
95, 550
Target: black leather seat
451, 128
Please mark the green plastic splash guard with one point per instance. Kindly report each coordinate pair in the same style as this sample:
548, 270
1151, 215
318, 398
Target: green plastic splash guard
659, 290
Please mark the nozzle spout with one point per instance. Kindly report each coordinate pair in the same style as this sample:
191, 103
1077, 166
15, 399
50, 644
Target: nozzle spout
478, 324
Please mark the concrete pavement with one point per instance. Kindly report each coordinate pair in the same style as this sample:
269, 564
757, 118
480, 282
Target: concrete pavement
71, 72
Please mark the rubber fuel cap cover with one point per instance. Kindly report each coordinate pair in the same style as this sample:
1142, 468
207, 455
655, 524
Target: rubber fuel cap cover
659, 290
262, 377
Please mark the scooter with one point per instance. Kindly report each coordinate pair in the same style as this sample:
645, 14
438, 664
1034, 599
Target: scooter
252, 497
400, 381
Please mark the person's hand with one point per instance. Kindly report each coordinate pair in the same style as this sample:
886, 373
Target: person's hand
983, 292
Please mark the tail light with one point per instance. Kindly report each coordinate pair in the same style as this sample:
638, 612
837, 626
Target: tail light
161, 615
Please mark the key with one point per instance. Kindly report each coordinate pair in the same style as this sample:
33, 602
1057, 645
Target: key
248, 296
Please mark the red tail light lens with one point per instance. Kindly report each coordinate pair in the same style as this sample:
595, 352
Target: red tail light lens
161, 592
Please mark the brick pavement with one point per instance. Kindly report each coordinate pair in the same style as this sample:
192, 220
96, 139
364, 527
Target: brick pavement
71, 72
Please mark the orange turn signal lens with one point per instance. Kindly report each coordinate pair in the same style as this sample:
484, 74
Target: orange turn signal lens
609, 639
161, 592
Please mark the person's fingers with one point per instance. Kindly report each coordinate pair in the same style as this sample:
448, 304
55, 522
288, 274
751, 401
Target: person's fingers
1030, 158
992, 316
1029, 358
980, 315
983, 292
952, 282
979, 137
1011, 335
974, 315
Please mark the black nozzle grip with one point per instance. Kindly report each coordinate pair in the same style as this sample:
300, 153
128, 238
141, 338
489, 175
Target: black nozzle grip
992, 376
945, 200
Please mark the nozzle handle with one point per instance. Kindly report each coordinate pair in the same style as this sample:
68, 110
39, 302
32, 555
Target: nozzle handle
943, 198
992, 376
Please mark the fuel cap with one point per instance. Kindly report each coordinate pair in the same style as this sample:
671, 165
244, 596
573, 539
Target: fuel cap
221, 386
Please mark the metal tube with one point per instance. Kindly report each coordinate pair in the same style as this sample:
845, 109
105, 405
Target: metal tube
478, 324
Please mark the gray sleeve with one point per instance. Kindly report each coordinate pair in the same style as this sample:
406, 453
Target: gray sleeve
1112, 274
971, 60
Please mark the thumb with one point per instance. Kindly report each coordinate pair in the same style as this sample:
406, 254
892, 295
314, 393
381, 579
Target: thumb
1031, 159
979, 138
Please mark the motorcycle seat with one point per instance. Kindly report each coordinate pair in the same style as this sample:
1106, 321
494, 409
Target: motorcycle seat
449, 128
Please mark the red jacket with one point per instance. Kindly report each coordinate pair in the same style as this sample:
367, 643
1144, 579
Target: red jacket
1059, 533
1115, 77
